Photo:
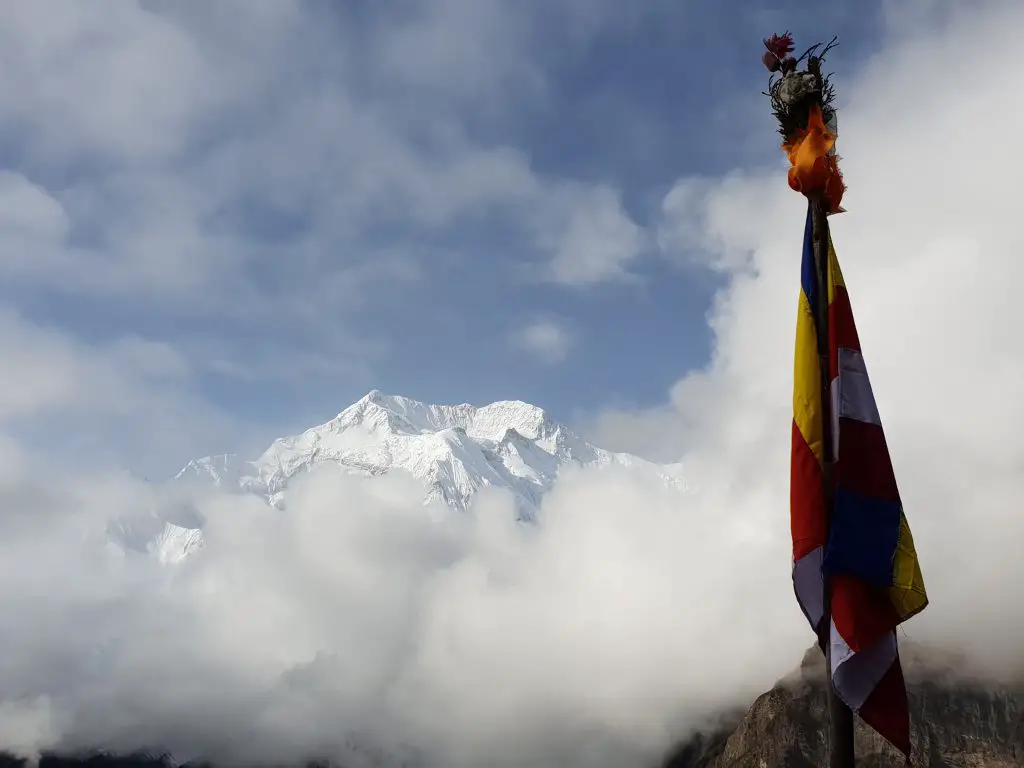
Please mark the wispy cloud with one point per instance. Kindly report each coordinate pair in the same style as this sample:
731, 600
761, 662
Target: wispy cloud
258, 190
129, 402
205, 161
598, 242
546, 339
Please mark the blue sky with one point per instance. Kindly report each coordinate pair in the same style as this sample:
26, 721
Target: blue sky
276, 208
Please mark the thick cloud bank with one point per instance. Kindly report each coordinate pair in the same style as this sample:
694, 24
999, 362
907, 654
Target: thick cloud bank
359, 620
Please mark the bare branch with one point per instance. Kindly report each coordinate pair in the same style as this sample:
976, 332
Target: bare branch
831, 44
809, 52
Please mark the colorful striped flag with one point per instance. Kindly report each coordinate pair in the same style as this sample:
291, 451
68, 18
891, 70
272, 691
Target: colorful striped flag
862, 545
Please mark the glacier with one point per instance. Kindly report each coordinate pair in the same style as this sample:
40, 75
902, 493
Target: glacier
453, 450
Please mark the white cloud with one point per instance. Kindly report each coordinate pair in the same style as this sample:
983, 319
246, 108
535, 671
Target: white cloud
356, 618
598, 242
29, 213
463, 47
106, 104
547, 339
490, 50
161, 191
130, 401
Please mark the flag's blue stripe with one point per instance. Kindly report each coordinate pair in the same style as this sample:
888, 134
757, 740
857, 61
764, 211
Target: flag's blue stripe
808, 274
863, 534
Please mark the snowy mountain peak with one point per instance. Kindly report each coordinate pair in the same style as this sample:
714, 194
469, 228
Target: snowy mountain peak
221, 470
493, 421
454, 450
377, 411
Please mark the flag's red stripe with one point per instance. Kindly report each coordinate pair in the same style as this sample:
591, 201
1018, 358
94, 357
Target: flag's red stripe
806, 502
886, 709
864, 466
842, 330
862, 613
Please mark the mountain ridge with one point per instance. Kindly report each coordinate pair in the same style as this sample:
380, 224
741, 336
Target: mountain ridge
453, 450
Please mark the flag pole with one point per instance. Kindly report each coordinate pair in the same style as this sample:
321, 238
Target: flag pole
841, 750
872, 604
802, 103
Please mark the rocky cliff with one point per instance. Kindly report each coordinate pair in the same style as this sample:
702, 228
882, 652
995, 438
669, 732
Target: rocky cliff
956, 722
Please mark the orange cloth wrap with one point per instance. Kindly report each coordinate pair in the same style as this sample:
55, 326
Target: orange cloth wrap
815, 172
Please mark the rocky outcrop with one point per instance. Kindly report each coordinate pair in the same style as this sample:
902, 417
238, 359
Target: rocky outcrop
956, 722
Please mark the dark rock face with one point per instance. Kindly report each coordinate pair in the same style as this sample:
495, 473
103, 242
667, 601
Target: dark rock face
89, 761
955, 723
99, 760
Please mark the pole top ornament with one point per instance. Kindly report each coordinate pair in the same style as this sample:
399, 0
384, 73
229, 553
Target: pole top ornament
802, 102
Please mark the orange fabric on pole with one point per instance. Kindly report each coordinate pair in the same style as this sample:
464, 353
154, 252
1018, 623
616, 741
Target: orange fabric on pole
815, 167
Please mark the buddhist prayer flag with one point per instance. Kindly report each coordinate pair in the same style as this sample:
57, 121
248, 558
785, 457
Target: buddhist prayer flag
861, 544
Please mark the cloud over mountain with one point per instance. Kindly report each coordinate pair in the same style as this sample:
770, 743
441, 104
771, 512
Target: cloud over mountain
356, 621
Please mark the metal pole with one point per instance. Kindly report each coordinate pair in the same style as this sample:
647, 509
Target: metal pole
841, 753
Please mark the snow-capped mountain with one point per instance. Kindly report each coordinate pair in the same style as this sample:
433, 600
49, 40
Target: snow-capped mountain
454, 450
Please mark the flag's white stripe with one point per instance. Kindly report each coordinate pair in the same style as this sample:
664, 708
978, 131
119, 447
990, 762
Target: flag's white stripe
855, 675
851, 395
833, 412
856, 400
809, 586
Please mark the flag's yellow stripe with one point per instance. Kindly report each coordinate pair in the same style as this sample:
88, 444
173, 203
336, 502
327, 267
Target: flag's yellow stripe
907, 593
835, 274
807, 381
